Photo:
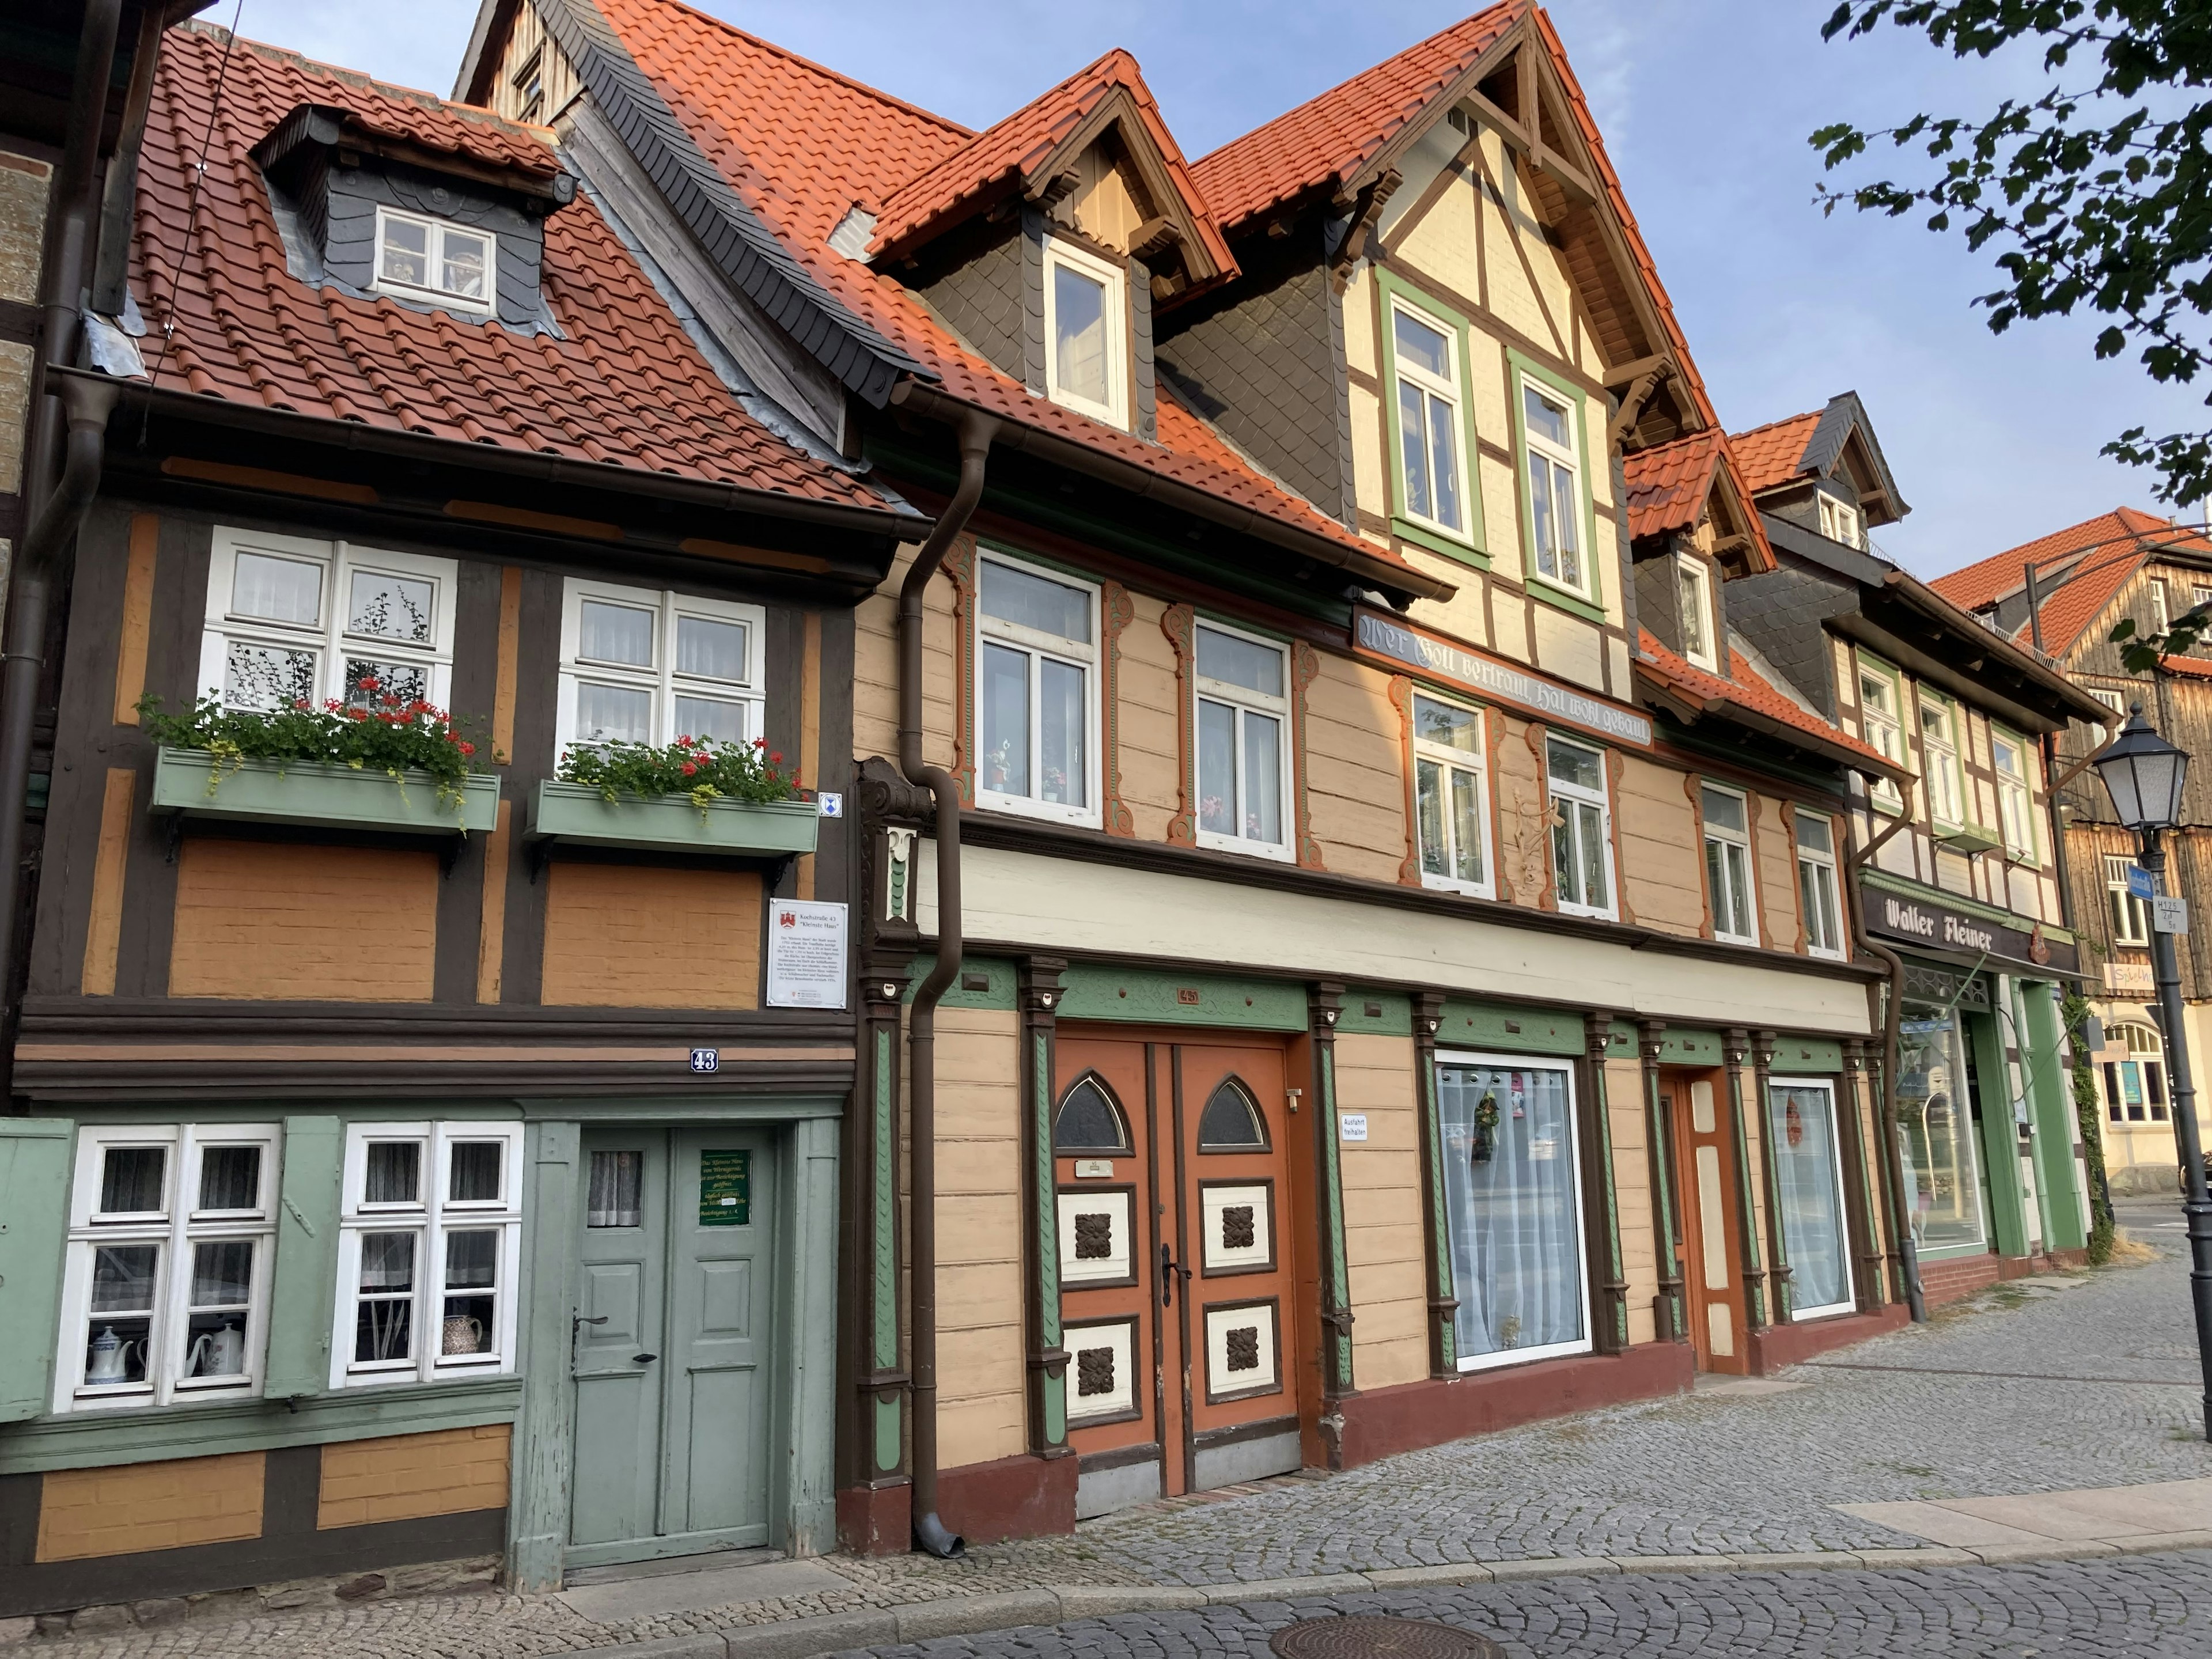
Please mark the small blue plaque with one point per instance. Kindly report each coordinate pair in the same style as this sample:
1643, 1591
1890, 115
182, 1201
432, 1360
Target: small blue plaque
2139, 881
706, 1059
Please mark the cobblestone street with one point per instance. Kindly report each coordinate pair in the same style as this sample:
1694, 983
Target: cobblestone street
2027, 1389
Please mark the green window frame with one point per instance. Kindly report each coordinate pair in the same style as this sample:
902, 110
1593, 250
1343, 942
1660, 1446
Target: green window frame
1588, 603
1469, 545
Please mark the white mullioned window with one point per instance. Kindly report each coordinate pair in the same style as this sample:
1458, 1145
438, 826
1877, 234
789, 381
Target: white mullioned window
1939, 759
291, 620
1425, 355
644, 665
427, 259
1553, 445
164, 1293
2131, 917
429, 1245
2113, 700
1086, 333
1728, 865
1819, 894
1884, 731
1242, 719
1452, 796
1840, 522
1581, 828
1036, 676
2157, 593
2015, 799
1693, 603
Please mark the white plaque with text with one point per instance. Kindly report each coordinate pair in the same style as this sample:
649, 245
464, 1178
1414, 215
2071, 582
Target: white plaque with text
805, 954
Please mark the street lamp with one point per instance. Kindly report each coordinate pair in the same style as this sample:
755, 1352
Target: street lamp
2144, 774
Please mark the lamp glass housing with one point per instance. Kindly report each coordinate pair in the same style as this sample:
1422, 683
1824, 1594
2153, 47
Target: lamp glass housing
2145, 776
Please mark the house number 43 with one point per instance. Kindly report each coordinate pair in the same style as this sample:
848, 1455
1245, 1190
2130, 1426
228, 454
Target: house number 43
706, 1059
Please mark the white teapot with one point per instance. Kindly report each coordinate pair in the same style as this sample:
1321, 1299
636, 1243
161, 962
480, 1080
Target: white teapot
108, 1358
217, 1353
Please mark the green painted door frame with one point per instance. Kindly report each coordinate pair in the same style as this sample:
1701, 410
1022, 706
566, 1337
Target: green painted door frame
2050, 1108
1999, 1146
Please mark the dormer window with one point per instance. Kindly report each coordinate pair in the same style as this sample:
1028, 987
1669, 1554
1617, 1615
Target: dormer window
1086, 334
1693, 600
429, 258
1840, 522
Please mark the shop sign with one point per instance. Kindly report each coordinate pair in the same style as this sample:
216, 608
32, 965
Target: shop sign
726, 1188
805, 954
1926, 920
2130, 977
1374, 634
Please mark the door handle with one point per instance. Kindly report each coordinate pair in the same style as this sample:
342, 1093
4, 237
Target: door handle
1168, 1272
643, 1359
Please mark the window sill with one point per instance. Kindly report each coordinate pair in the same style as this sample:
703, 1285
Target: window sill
1021, 806
1431, 539
1464, 888
1564, 599
1490, 1362
1720, 938
578, 814
1588, 913
185, 781
1214, 842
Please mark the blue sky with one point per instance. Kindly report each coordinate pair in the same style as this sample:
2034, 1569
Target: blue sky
1704, 104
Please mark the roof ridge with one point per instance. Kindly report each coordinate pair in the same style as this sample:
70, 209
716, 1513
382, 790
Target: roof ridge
1768, 426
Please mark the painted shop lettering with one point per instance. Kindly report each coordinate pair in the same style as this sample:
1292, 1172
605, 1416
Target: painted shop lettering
1902, 917
1449, 661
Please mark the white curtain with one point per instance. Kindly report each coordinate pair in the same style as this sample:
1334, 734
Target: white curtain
1802, 1132
1510, 1194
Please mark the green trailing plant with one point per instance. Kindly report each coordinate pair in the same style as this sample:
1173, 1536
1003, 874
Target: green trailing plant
391, 735
699, 769
2073, 1009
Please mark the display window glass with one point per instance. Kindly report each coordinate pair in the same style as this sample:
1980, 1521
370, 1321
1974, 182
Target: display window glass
1808, 1184
1935, 1132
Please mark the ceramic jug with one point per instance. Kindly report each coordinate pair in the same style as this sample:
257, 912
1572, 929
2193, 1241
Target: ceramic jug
217, 1353
464, 1334
108, 1359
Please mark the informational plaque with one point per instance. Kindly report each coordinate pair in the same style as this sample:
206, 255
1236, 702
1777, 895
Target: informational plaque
726, 1188
805, 954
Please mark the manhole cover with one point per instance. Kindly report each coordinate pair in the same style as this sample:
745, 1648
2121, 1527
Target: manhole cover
1380, 1638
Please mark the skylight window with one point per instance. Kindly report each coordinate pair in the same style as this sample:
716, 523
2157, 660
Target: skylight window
427, 259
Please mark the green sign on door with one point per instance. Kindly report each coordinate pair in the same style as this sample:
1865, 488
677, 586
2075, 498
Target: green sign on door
726, 1188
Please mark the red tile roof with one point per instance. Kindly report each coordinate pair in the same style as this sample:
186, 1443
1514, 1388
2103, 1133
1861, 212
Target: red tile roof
1774, 454
625, 387
800, 145
2113, 546
1667, 483
1332, 135
1750, 691
1014, 148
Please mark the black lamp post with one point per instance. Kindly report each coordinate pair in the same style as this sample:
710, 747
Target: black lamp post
2144, 775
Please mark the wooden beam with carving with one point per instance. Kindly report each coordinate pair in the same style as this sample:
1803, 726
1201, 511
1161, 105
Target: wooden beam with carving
1632, 405
1369, 210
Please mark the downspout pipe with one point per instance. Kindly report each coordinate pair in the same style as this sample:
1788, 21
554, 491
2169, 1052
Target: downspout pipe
931, 1534
1900, 1227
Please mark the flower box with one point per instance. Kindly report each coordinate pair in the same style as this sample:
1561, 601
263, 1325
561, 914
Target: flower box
1972, 838
316, 792
577, 812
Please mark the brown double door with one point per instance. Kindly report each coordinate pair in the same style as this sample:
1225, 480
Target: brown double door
1172, 1163
1705, 1189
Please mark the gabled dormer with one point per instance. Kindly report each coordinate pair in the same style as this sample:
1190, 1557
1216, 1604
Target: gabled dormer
1823, 472
1045, 241
459, 229
1692, 526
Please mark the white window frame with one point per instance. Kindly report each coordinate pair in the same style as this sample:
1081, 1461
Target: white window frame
1115, 411
1448, 391
2149, 1062
175, 1228
1826, 1086
430, 1220
1588, 1341
2113, 700
436, 244
1692, 569
1242, 698
1036, 645
1569, 456
328, 637
1555, 787
1723, 836
662, 680
2015, 798
1458, 759
1947, 806
1830, 896
1882, 726
2129, 915
1842, 522
2159, 615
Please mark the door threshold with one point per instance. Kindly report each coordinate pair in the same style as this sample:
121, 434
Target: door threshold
709, 1561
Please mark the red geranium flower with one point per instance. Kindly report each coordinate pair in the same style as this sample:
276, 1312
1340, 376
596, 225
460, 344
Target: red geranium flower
688, 769
775, 757
368, 682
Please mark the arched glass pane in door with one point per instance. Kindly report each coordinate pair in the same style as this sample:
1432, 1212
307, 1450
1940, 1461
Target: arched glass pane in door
1231, 1122
1088, 1120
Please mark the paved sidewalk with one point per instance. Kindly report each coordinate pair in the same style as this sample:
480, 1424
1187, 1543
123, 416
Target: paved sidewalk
2034, 1388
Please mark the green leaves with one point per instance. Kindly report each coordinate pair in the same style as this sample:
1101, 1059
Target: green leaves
386, 735
705, 771
2181, 635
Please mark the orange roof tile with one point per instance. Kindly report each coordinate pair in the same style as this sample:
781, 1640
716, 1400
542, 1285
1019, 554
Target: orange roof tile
2195, 668
623, 385
1751, 690
1774, 454
801, 144
1332, 135
2113, 544
1667, 483
1016, 147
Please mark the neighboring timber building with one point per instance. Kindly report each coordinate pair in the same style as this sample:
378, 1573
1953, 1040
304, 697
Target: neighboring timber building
1350, 931
2119, 566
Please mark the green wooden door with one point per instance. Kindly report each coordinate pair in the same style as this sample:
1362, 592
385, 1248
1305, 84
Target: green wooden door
673, 1389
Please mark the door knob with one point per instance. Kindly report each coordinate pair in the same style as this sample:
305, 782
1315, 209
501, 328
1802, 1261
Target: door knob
643, 1359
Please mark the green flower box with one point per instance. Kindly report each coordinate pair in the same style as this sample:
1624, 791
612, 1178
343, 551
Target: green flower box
577, 812
1972, 838
316, 792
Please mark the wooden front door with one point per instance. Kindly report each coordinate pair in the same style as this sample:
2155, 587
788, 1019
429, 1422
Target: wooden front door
1705, 1160
1172, 1163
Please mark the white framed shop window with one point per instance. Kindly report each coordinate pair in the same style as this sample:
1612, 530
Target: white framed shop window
1086, 333
1513, 1208
1036, 691
429, 1244
1728, 885
1452, 794
291, 620
1808, 1184
164, 1292
1582, 829
642, 664
1241, 713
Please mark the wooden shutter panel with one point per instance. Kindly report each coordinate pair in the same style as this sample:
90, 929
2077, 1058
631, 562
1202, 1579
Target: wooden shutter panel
300, 1292
34, 1186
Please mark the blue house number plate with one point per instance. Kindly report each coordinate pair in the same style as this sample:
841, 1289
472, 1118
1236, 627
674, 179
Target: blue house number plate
706, 1059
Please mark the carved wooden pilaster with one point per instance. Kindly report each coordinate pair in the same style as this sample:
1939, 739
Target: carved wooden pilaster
959, 568
1180, 622
1117, 612
1777, 1250
879, 1374
1324, 1007
1436, 1233
1401, 699
1666, 1308
1757, 1311
1040, 990
1305, 669
1600, 1198
1859, 1179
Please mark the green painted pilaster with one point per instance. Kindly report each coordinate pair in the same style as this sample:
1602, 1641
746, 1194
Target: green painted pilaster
1040, 998
545, 1435
1325, 1007
1866, 1216
1753, 1268
304, 1282
2051, 1107
1611, 1324
811, 1370
1668, 1317
35, 1187
881, 1379
1444, 1300
2000, 1142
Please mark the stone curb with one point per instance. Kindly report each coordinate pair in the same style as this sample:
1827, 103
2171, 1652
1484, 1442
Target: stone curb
975, 1615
